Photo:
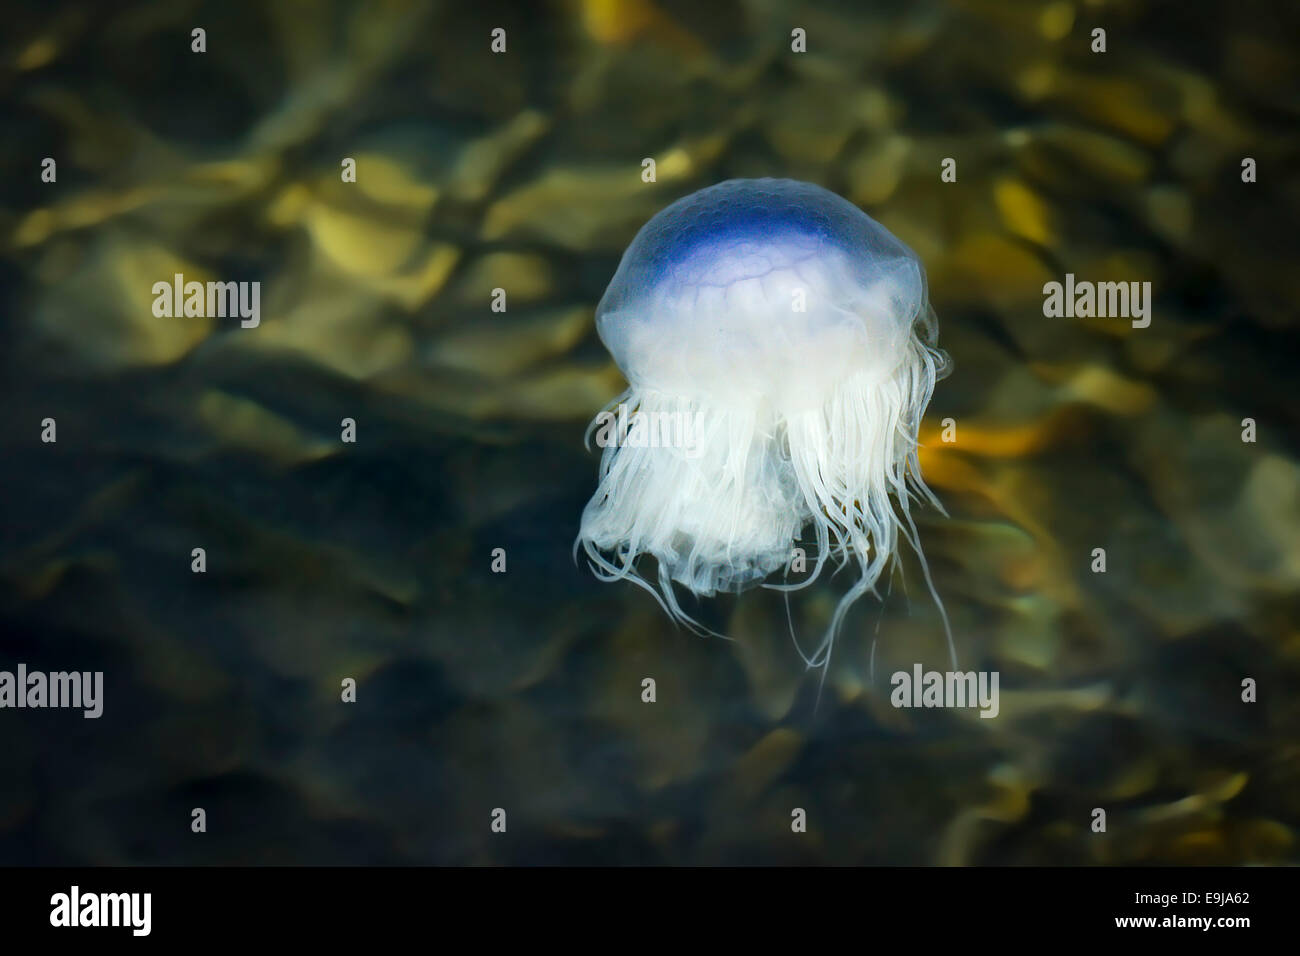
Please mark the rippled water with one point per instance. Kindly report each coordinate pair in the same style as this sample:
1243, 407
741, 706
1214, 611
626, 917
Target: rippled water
522, 690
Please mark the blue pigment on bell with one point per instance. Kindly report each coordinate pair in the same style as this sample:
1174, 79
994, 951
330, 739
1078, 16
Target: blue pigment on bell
795, 333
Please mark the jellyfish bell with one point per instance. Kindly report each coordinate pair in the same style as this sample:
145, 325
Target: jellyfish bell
795, 334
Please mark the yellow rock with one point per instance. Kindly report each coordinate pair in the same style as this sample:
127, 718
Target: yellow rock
764, 650
34, 228
37, 54
1264, 841
996, 441
1098, 386
234, 177
619, 22
1022, 211
1136, 779
579, 209
337, 323
1200, 846
564, 394
990, 269
1054, 154
759, 768
525, 276
105, 307
808, 122
481, 162
362, 245
422, 280
385, 180
243, 423
875, 174
1169, 210
1056, 20
1030, 634
1227, 786
1269, 506
674, 164
1017, 704
79, 212
1037, 80
499, 346
1145, 111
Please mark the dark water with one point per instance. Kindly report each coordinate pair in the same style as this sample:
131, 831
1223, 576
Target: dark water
372, 560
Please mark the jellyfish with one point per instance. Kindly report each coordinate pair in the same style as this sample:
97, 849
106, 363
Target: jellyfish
780, 351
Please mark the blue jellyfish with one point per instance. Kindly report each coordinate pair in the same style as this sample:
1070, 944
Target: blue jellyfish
780, 351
